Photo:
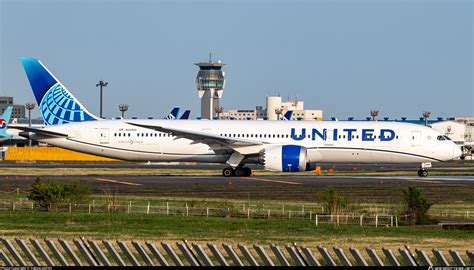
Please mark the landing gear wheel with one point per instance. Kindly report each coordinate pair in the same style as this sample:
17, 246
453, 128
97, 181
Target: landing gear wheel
228, 172
239, 171
247, 171
422, 173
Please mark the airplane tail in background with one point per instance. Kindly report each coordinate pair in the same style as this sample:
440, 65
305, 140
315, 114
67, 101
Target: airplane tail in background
57, 105
173, 114
287, 116
185, 115
5, 119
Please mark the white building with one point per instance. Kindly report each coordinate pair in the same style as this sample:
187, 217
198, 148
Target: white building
275, 109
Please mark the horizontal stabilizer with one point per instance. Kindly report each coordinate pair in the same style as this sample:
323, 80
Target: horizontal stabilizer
40, 131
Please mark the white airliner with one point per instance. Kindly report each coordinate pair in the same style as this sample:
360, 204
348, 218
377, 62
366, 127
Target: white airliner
285, 146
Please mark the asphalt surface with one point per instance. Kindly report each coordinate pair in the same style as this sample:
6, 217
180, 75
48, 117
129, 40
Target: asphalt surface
266, 180
285, 187
324, 166
295, 188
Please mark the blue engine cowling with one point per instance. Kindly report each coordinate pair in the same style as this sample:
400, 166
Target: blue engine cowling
284, 158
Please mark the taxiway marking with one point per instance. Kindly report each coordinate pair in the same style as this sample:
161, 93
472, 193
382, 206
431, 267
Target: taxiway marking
425, 181
118, 182
274, 181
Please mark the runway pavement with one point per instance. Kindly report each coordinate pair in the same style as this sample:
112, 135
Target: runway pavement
300, 188
281, 180
175, 165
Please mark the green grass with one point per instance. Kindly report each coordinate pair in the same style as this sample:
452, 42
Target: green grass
160, 227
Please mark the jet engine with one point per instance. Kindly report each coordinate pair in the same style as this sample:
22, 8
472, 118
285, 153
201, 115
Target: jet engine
284, 158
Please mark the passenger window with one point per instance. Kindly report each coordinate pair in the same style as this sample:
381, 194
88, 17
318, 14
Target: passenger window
440, 138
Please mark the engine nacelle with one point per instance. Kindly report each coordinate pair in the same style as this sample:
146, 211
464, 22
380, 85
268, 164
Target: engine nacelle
284, 158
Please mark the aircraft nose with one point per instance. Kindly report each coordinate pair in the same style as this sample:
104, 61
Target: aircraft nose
457, 152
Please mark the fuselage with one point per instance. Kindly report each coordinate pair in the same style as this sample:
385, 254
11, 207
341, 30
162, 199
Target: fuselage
325, 141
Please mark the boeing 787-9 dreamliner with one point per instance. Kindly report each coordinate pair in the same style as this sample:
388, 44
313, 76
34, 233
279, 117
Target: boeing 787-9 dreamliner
284, 146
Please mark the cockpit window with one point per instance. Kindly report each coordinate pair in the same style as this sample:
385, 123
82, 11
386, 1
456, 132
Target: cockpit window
441, 138
447, 138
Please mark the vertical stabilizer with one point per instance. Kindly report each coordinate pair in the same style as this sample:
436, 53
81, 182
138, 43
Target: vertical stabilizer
185, 115
57, 105
173, 114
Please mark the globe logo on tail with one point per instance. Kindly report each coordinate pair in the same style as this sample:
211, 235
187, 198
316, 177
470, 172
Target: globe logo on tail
59, 107
3, 123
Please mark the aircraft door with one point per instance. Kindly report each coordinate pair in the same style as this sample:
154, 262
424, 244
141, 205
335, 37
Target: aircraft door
415, 138
104, 135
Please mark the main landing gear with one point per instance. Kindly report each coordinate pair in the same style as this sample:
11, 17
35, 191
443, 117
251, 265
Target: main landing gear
238, 171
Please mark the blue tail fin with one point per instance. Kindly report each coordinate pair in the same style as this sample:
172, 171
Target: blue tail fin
287, 116
173, 114
185, 115
5, 119
57, 105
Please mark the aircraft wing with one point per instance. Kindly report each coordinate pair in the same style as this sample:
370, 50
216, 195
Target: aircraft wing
41, 132
216, 142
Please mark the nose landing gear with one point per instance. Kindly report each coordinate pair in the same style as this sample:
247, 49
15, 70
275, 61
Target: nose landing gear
423, 172
238, 171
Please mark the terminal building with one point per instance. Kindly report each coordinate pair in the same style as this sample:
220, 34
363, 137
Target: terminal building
274, 110
18, 110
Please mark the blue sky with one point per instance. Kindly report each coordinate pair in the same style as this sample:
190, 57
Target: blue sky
345, 57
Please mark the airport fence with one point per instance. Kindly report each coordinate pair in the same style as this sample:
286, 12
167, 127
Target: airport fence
186, 211
86, 252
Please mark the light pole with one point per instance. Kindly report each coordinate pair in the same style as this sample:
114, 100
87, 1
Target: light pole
101, 84
29, 106
278, 111
123, 108
374, 114
426, 115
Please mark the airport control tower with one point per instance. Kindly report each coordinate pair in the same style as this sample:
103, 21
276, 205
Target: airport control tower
210, 83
